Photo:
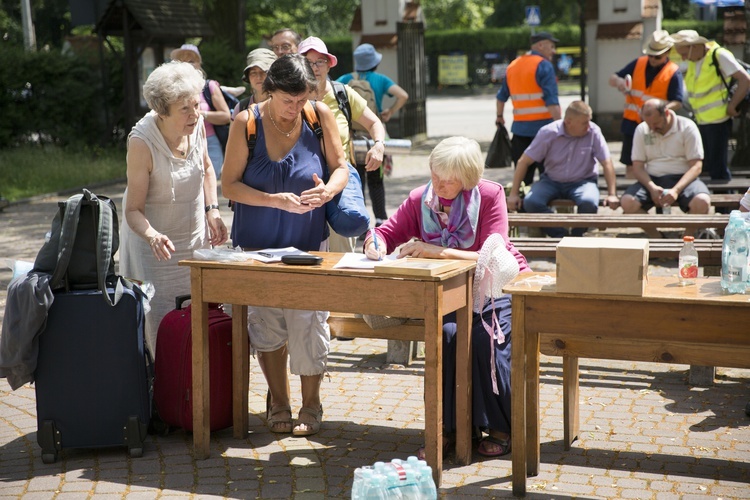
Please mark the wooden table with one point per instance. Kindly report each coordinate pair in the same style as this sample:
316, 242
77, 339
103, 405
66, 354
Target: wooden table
341, 290
670, 324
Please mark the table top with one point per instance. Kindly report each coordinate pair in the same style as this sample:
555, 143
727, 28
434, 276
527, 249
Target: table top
325, 268
707, 290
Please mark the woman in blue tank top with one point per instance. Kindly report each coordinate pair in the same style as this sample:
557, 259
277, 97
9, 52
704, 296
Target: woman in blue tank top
278, 196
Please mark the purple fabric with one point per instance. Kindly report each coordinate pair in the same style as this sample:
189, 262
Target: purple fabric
566, 158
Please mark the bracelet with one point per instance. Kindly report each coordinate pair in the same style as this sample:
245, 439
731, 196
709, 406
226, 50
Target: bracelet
211, 207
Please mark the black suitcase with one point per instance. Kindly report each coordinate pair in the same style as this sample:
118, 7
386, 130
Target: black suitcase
93, 387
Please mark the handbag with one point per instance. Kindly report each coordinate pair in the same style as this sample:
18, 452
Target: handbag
499, 154
346, 212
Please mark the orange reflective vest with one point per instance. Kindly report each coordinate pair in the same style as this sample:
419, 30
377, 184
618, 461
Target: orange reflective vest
639, 93
527, 95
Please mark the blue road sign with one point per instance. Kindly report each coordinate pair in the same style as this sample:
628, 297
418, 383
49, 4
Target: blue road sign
533, 15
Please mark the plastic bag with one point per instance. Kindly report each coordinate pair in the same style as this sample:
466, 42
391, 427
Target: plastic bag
235, 254
19, 267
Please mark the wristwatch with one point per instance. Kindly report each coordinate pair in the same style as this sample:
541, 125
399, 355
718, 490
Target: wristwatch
210, 207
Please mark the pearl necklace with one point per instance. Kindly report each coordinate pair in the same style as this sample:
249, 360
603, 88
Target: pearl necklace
287, 134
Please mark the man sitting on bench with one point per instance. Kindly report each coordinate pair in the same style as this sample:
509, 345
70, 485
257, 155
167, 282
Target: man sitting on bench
667, 160
569, 149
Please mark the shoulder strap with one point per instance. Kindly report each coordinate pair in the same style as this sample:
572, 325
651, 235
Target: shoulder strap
342, 98
310, 115
207, 95
251, 130
715, 59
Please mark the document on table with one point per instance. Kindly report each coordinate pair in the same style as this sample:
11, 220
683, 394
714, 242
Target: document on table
268, 255
352, 260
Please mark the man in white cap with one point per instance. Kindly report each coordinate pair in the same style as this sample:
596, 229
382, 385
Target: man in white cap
652, 75
710, 67
531, 83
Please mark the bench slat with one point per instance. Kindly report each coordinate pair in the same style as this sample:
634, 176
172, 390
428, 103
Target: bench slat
346, 325
650, 221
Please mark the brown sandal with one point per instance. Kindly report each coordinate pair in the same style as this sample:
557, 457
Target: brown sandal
284, 424
312, 427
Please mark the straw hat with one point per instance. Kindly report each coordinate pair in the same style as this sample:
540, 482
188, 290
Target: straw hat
688, 37
186, 51
658, 43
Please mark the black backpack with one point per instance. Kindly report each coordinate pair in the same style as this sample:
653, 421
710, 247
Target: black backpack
222, 131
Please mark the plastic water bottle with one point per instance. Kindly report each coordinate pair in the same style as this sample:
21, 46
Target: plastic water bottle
688, 262
362, 479
376, 489
427, 487
666, 209
734, 255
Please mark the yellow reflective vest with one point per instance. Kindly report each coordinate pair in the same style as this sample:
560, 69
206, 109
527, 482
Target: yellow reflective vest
706, 92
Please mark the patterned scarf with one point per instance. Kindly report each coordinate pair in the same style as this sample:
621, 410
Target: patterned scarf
461, 224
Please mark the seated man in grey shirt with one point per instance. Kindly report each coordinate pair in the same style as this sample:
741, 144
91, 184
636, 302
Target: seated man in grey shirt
569, 149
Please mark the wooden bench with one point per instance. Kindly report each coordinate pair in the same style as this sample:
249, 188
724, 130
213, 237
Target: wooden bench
739, 184
402, 339
727, 200
650, 223
709, 251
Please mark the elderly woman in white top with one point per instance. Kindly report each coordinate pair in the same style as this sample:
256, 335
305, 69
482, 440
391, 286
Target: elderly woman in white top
170, 202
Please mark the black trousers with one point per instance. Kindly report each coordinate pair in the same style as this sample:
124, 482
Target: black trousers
374, 181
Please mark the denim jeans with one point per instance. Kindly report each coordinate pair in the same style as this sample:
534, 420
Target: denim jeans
584, 193
216, 154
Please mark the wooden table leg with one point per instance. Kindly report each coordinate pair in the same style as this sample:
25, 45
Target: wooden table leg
240, 371
570, 400
433, 385
531, 346
463, 382
518, 396
201, 383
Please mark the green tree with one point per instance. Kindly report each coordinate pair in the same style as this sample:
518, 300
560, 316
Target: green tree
513, 12
457, 14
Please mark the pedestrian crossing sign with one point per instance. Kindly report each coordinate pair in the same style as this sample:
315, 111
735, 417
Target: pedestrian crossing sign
533, 15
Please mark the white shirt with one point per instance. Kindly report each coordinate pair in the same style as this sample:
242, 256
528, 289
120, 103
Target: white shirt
670, 153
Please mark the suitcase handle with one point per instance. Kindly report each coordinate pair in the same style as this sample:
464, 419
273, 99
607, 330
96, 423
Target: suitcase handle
179, 300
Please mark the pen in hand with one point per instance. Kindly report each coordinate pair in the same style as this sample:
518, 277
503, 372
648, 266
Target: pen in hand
375, 239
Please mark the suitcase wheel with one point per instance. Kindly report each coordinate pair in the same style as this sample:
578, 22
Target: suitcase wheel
48, 438
135, 433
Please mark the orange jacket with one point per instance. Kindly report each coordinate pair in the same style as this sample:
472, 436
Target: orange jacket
639, 93
527, 95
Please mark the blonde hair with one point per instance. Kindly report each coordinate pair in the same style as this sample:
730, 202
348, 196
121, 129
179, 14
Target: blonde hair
172, 82
578, 108
458, 158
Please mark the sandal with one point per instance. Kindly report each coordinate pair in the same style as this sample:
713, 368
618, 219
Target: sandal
278, 424
448, 444
311, 427
503, 447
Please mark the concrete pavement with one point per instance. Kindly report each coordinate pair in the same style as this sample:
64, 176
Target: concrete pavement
644, 432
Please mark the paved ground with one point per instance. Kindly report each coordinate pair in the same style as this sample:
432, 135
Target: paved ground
644, 432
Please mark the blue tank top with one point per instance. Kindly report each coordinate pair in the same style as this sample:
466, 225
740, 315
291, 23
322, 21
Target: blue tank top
265, 227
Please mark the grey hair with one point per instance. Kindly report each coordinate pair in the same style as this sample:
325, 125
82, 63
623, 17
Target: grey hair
458, 158
172, 82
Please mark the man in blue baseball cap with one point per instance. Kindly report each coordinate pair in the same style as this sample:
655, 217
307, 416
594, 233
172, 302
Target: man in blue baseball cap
531, 83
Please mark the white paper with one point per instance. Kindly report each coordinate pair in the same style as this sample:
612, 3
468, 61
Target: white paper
352, 260
274, 254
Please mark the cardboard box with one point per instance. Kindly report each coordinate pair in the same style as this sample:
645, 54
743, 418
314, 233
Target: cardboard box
606, 266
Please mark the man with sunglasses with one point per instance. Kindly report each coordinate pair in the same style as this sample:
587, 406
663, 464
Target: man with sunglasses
652, 75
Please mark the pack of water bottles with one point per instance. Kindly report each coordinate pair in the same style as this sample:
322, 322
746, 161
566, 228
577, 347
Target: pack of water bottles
397, 479
734, 254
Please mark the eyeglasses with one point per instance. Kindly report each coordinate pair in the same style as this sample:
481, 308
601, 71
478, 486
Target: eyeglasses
284, 47
256, 73
319, 63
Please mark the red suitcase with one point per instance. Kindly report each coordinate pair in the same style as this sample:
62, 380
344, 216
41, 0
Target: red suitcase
173, 367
